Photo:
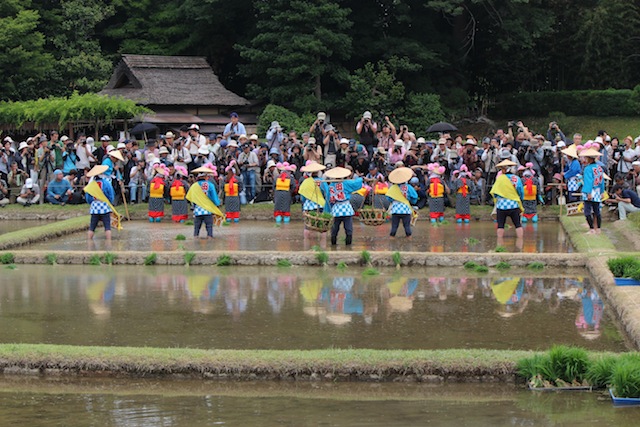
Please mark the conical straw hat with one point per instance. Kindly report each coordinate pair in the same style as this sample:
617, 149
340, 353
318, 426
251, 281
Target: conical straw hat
337, 173
313, 167
505, 163
97, 170
590, 152
571, 151
202, 169
400, 175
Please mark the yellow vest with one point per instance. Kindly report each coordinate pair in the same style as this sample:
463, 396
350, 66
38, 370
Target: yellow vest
156, 193
235, 189
283, 185
178, 193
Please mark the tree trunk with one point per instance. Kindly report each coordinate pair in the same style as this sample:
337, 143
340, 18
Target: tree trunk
318, 89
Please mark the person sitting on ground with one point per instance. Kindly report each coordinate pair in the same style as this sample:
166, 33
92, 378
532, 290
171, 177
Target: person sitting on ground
4, 193
29, 194
59, 190
627, 201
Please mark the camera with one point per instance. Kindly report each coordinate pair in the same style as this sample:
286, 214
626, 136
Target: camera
511, 123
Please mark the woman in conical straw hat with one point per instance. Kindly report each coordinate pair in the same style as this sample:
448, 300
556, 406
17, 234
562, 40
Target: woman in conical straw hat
436, 192
508, 193
592, 189
572, 172
337, 195
201, 212
403, 196
282, 188
311, 171
100, 211
462, 185
156, 193
178, 191
232, 189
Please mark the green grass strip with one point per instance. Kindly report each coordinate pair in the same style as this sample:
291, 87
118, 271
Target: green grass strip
348, 363
590, 243
43, 232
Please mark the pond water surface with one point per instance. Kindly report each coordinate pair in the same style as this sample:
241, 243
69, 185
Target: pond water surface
265, 235
303, 308
94, 402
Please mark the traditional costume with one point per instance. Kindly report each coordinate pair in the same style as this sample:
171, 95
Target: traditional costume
436, 192
462, 186
100, 195
401, 196
204, 195
282, 188
232, 190
508, 193
530, 200
156, 193
380, 200
571, 172
337, 196
592, 189
310, 188
178, 191
358, 198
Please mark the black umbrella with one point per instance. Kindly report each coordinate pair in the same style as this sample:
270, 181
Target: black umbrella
143, 128
441, 127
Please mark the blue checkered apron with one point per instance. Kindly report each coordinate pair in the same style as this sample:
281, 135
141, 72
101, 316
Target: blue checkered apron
99, 208
573, 184
506, 204
198, 211
308, 205
399, 208
342, 209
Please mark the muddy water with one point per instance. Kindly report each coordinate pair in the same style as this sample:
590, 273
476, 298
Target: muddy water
265, 235
8, 226
41, 402
302, 308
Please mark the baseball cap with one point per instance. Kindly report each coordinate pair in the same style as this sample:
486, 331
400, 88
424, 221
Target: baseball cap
28, 183
194, 127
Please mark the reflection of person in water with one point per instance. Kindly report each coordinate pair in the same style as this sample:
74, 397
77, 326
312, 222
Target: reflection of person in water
100, 295
509, 292
341, 301
590, 315
400, 294
202, 290
236, 297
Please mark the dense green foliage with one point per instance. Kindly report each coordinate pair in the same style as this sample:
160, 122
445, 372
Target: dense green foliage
388, 56
60, 111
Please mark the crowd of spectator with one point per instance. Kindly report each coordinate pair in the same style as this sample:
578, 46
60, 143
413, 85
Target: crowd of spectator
51, 168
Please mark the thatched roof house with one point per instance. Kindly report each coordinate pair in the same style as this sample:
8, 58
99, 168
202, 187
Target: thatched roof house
180, 89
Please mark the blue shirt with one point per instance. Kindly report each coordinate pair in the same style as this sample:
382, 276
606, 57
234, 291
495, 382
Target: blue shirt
572, 169
630, 194
209, 189
238, 130
58, 188
336, 193
98, 207
593, 178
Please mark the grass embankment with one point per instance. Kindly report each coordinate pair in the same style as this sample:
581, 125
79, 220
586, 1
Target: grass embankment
583, 242
332, 364
44, 232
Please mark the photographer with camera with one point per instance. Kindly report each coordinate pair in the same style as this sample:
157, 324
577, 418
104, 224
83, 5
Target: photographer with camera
366, 129
317, 129
195, 141
233, 129
490, 157
84, 154
533, 153
69, 156
331, 146
29, 194
523, 133
249, 166
554, 132
180, 153
312, 151
45, 160
388, 135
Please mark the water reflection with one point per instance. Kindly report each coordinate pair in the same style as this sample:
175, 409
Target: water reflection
309, 308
